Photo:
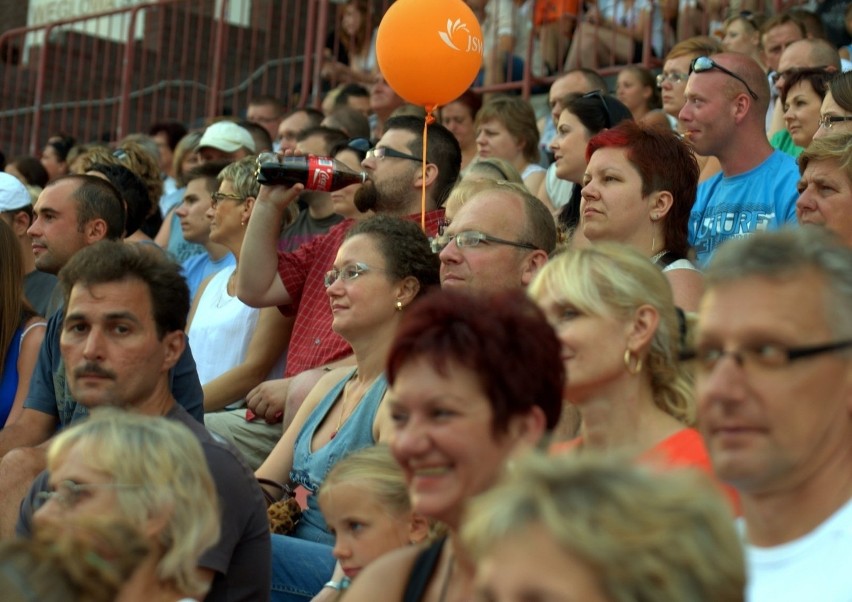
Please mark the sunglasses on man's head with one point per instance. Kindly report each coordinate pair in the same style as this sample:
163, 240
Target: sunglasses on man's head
705, 63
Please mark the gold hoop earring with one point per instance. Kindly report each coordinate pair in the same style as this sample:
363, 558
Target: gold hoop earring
398, 305
628, 361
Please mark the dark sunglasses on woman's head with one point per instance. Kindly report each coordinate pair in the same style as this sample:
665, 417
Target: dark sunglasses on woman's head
705, 63
600, 96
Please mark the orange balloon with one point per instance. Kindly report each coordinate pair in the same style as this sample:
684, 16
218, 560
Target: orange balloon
429, 51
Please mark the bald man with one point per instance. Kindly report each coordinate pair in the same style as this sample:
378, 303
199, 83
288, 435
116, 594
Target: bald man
726, 99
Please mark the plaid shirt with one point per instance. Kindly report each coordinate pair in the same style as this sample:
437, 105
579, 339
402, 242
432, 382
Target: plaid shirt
313, 342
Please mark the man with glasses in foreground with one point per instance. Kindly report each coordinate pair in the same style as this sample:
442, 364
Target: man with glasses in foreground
497, 240
773, 372
294, 281
726, 99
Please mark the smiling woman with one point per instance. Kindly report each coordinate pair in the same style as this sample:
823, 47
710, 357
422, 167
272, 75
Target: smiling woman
461, 407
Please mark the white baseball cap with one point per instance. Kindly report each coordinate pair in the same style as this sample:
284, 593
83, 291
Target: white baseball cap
13, 194
227, 137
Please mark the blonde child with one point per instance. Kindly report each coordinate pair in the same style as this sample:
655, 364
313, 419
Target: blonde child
364, 500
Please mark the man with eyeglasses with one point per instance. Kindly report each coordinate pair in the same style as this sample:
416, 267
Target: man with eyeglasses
726, 99
773, 373
497, 241
125, 316
294, 281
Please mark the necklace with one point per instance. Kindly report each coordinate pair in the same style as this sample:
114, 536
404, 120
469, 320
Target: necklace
342, 407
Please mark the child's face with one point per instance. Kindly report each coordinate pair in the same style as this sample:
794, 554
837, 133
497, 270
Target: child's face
363, 529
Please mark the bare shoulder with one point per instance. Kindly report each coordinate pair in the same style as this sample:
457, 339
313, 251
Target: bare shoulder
687, 288
385, 578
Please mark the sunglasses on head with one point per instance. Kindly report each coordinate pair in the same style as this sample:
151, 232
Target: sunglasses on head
600, 96
361, 145
705, 63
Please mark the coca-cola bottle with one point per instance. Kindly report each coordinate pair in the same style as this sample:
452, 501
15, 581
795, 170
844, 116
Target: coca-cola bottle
316, 173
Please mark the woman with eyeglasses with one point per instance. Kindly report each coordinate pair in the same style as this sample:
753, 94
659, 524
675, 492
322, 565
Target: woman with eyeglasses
506, 128
582, 117
742, 34
383, 265
801, 99
836, 110
148, 473
638, 190
236, 347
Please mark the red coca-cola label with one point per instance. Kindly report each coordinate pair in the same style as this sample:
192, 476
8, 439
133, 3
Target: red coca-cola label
320, 173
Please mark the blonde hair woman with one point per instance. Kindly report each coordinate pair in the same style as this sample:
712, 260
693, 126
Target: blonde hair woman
601, 530
613, 312
149, 471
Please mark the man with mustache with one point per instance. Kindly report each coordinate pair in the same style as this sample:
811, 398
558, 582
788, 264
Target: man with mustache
294, 281
123, 331
71, 213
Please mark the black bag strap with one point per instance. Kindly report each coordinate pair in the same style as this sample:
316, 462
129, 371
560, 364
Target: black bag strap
422, 571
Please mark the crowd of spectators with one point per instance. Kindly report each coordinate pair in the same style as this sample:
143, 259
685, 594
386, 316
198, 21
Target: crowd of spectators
602, 356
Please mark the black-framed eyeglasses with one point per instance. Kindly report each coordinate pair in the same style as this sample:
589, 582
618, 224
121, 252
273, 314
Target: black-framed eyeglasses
68, 493
380, 152
217, 196
600, 96
758, 357
674, 77
362, 145
705, 63
827, 121
347, 273
472, 238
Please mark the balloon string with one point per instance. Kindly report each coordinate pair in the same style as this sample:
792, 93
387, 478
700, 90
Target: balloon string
429, 119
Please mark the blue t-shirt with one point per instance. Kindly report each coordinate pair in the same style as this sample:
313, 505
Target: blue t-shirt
49, 391
199, 267
761, 199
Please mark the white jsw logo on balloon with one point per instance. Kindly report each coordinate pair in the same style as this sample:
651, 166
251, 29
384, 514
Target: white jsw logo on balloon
474, 44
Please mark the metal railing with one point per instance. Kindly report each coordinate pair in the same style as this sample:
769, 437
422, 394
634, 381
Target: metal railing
103, 76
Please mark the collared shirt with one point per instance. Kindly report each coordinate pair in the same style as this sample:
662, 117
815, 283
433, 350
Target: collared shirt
313, 342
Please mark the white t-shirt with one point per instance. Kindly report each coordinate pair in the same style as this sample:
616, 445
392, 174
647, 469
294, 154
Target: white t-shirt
815, 567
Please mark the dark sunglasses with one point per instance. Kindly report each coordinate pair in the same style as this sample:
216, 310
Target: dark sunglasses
705, 63
362, 145
600, 96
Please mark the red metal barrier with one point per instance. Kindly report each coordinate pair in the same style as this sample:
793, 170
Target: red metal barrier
185, 60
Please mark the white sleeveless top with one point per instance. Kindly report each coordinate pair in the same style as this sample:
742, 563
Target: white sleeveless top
221, 331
